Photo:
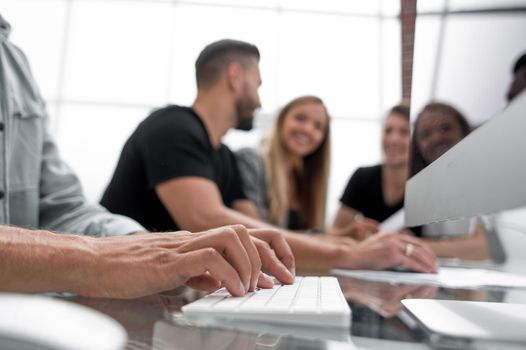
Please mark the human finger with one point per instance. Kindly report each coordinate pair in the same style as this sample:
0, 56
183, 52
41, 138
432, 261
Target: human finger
253, 255
204, 282
198, 262
265, 281
415, 258
276, 256
271, 263
227, 242
369, 225
418, 242
280, 247
422, 253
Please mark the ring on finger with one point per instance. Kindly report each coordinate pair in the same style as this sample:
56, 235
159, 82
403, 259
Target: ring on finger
409, 248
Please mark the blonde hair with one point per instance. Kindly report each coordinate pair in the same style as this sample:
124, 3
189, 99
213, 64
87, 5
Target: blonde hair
311, 179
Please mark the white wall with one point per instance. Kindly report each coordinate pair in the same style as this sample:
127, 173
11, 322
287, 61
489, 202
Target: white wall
102, 65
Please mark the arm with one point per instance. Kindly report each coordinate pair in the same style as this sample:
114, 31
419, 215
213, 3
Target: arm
41, 261
195, 203
473, 247
247, 207
344, 216
349, 222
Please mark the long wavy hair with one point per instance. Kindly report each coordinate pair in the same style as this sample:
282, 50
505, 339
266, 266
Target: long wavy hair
311, 178
417, 160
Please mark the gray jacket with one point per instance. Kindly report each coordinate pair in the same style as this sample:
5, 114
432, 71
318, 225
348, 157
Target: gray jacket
37, 189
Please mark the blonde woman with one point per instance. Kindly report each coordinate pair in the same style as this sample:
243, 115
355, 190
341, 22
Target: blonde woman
288, 180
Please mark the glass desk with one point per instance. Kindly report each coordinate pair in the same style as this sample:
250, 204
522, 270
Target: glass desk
378, 321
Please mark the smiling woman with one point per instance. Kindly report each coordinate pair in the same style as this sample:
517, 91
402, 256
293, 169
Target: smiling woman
288, 183
438, 128
375, 193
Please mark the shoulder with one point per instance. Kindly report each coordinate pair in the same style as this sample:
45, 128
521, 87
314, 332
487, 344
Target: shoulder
250, 160
174, 118
369, 170
172, 124
366, 174
248, 154
225, 151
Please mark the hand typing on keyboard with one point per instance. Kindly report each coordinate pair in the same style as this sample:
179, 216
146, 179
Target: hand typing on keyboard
227, 256
315, 301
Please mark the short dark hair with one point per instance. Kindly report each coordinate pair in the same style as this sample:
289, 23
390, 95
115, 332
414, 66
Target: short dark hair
216, 56
417, 161
401, 109
521, 63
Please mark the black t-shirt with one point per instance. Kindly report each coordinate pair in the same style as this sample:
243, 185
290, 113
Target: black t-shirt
364, 193
172, 142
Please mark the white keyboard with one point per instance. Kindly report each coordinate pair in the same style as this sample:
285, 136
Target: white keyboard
312, 301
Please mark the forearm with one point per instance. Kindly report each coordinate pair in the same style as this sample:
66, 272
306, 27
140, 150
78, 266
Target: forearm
204, 220
41, 261
472, 248
343, 219
311, 253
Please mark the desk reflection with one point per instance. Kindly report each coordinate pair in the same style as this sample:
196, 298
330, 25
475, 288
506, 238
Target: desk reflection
169, 335
383, 298
378, 321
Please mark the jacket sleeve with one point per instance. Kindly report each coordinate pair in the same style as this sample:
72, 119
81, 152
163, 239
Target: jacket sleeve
64, 208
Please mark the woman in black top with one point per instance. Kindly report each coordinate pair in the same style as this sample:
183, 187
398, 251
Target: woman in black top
375, 193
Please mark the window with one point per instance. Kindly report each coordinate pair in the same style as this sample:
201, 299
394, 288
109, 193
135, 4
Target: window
103, 65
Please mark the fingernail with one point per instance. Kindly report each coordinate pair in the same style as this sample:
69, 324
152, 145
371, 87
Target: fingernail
242, 289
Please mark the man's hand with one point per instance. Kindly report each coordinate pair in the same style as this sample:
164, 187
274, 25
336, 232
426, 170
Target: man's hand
276, 256
142, 264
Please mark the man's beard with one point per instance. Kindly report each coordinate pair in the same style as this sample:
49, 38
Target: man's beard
245, 123
245, 114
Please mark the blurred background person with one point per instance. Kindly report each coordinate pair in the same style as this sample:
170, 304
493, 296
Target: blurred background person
375, 193
175, 171
288, 180
437, 128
